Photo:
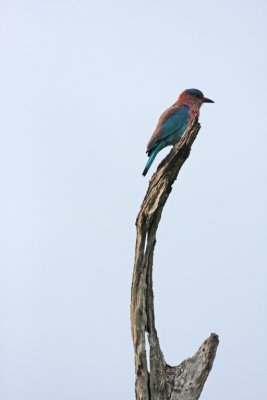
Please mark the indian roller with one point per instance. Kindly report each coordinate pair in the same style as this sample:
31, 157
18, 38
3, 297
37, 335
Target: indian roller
174, 121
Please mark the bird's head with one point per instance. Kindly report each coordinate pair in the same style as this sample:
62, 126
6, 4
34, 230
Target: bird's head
193, 97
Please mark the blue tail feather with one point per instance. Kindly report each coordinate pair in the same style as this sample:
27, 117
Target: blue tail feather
151, 159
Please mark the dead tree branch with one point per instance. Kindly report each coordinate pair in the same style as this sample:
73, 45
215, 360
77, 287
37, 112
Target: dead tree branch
163, 382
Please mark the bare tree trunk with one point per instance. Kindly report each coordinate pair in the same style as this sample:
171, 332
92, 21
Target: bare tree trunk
163, 382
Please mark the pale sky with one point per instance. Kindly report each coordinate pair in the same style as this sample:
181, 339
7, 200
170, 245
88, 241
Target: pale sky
83, 84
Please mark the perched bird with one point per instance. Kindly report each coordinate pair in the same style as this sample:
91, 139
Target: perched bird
174, 121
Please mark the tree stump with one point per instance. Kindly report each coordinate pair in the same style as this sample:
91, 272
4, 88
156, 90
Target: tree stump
162, 382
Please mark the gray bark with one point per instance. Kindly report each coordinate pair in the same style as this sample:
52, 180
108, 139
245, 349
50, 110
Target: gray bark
162, 382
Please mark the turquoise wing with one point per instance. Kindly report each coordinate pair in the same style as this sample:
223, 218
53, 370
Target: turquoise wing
171, 123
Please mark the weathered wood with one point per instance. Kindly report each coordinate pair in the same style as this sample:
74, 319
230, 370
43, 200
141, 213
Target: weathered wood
163, 382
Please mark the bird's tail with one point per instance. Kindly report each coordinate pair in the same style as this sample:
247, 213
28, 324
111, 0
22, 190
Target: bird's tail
150, 160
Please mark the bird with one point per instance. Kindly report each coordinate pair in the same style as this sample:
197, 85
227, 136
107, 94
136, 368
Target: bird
174, 121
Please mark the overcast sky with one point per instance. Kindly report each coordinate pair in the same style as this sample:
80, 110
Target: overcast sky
83, 84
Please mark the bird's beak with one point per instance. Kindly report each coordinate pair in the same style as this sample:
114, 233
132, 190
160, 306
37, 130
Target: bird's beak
206, 100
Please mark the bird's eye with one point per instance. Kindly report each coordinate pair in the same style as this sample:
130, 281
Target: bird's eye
198, 95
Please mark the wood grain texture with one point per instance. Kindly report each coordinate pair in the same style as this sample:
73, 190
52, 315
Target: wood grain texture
162, 382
